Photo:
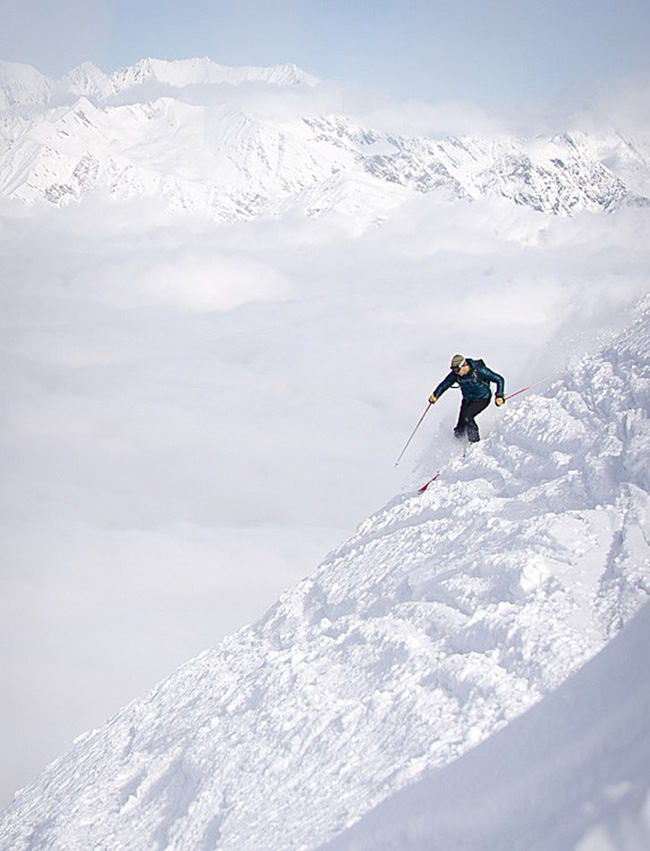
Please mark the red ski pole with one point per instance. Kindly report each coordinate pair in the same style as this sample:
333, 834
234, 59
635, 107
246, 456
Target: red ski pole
534, 384
523, 390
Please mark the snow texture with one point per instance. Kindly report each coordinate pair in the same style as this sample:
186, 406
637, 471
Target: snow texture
394, 667
572, 773
174, 132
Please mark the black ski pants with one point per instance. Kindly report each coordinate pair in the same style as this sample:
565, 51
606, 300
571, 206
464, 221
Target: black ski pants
469, 409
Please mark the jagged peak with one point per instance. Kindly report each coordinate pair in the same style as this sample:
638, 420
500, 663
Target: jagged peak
86, 70
86, 79
205, 71
22, 84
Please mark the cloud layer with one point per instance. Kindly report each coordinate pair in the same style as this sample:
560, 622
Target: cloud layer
194, 416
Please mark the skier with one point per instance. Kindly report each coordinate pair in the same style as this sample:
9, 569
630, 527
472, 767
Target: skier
473, 378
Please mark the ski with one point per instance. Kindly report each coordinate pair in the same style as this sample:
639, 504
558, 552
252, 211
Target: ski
431, 481
434, 478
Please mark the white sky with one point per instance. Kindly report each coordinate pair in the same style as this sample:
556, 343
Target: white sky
485, 51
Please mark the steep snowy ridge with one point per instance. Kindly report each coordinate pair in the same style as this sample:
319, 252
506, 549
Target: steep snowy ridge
194, 72
444, 618
114, 150
22, 85
571, 773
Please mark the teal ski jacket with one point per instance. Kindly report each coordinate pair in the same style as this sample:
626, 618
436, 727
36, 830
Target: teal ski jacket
474, 385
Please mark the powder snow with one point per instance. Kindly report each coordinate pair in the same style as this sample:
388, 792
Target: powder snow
445, 618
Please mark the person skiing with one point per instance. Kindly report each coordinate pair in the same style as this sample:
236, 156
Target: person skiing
473, 377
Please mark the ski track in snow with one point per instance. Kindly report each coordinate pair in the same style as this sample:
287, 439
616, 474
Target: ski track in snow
444, 618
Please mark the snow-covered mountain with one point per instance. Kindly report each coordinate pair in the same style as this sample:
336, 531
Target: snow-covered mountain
22, 85
138, 133
443, 619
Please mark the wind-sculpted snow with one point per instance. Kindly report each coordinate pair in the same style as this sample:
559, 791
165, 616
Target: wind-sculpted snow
571, 773
444, 618
174, 132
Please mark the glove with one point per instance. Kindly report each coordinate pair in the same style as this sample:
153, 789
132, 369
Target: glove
499, 401
432, 399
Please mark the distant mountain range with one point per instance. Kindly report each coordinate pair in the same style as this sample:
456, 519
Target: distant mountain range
21, 84
137, 133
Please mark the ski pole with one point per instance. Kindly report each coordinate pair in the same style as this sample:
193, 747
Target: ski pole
426, 410
534, 384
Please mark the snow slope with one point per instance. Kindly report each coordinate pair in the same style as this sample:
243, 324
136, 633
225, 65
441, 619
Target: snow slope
441, 621
174, 132
573, 772
22, 85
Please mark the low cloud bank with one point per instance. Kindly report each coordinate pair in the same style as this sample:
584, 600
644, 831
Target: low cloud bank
194, 416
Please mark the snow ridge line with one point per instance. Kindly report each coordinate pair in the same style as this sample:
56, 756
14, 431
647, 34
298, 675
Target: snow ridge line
249, 165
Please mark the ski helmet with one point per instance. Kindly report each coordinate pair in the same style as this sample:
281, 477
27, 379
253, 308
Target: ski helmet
457, 361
